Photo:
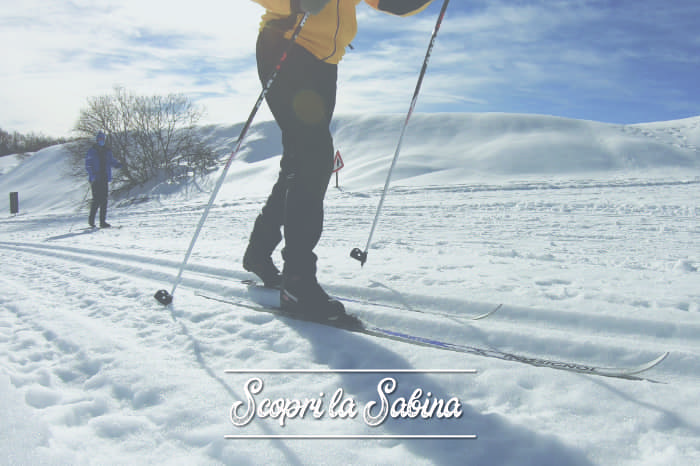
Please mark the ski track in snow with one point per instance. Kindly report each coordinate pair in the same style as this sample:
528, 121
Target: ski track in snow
614, 333
590, 269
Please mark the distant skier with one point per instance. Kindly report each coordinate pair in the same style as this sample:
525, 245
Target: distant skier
98, 163
302, 99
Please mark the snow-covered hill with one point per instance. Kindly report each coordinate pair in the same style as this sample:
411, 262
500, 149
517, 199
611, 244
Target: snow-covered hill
588, 233
438, 150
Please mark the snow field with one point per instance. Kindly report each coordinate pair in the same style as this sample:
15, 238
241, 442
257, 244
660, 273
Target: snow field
593, 252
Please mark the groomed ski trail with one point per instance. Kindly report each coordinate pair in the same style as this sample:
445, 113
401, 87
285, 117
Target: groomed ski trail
509, 323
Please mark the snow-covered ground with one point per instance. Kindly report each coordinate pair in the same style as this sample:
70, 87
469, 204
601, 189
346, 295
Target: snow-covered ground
588, 233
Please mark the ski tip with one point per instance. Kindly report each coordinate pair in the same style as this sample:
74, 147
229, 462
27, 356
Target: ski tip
486, 314
654, 362
163, 297
632, 372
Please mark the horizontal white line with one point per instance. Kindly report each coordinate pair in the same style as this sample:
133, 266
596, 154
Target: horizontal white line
351, 437
351, 371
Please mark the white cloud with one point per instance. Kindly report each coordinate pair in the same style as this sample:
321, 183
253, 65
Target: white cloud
75, 50
489, 56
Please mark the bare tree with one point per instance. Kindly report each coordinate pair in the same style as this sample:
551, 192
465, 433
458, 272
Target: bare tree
154, 137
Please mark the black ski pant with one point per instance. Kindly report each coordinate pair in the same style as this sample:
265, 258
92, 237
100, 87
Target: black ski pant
99, 200
302, 100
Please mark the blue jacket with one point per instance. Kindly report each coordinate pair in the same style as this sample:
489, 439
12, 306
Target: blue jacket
99, 162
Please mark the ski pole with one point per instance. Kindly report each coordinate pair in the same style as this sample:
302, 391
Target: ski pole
81, 204
163, 296
357, 253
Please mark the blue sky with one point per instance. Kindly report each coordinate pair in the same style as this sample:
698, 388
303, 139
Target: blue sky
617, 61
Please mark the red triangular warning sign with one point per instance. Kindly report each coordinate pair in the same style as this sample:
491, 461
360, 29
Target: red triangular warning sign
337, 162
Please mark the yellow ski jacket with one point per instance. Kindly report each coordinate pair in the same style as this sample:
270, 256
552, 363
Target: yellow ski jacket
327, 34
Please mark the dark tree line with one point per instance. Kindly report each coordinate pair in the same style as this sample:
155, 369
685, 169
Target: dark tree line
16, 143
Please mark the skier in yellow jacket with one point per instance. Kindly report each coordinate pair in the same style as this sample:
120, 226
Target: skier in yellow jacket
302, 100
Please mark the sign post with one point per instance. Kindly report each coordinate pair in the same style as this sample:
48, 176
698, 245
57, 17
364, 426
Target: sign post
338, 164
14, 203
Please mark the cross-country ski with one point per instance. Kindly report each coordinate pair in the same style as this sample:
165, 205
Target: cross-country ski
354, 324
257, 288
